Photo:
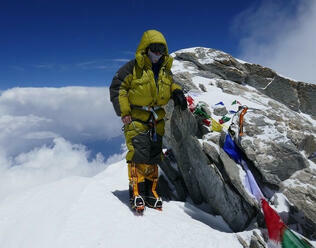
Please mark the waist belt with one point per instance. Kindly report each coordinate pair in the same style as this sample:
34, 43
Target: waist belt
151, 109
151, 121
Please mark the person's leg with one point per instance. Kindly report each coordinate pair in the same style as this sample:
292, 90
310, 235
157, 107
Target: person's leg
138, 145
152, 198
137, 142
137, 187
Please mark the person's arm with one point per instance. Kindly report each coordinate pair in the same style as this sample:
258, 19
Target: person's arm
177, 95
119, 90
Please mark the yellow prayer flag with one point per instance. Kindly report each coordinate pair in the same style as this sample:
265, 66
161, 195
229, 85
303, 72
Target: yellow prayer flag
216, 126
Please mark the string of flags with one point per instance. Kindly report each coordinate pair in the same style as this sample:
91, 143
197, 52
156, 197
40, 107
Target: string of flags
236, 102
279, 234
199, 109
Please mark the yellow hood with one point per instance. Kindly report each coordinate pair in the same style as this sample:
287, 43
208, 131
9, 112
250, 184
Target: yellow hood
149, 37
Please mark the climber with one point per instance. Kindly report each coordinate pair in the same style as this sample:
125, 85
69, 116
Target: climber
138, 92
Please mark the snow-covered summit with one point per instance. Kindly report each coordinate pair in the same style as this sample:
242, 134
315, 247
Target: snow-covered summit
279, 140
56, 193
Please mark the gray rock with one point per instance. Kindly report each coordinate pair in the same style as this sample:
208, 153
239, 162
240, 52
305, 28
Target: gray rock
282, 90
258, 121
207, 74
206, 108
306, 143
202, 128
274, 115
184, 79
232, 170
175, 178
249, 148
300, 190
191, 57
260, 72
242, 241
220, 110
251, 129
298, 96
227, 72
202, 87
183, 128
231, 87
211, 151
279, 162
214, 137
280, 129
163, 189
276, 158
203, 180
306, 94
256, 241
224, 66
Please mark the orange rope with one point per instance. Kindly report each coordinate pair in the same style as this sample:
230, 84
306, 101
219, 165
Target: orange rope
241, 121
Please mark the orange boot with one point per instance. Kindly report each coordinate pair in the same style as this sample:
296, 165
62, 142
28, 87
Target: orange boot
136, 188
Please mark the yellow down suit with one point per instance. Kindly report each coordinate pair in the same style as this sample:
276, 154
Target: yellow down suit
135, 91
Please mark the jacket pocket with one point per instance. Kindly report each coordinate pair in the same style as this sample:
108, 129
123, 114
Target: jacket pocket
140, 92
164, 90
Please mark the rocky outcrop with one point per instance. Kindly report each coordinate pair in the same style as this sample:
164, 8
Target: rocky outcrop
277, 141
202, 178
223, 66
300, 190
256, 241
276, 161
298, 96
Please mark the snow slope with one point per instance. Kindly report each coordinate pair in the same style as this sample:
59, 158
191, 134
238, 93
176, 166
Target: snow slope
94, 212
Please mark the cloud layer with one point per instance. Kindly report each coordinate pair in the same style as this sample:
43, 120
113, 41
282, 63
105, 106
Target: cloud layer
30, 116
280, 35
41, 132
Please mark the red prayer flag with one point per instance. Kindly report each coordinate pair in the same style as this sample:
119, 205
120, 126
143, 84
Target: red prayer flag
207, 122
190, 100
273, 221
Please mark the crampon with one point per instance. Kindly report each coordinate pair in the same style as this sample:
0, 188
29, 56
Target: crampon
138, 204
155, 203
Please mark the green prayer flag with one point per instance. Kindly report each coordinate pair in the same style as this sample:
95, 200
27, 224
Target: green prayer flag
290, 240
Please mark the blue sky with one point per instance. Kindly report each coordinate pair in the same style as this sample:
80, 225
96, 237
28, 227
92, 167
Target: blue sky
60, 43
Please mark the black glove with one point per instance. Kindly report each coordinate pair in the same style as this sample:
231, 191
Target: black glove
179, 99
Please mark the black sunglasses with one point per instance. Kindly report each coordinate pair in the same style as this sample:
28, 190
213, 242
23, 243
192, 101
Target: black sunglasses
157, 48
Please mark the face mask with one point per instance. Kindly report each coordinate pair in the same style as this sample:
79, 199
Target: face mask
153, 57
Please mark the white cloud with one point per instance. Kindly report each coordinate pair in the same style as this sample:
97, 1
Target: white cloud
78, 114
101, 63
121, 60
281, 36
117, 156
44, 66
101, 67
87, 63
47, 164
41, 130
